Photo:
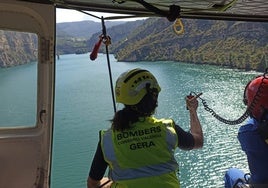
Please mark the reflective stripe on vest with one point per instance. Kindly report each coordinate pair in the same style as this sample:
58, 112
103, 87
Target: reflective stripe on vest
152, 137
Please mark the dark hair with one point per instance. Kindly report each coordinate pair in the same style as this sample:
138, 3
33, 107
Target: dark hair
123, 119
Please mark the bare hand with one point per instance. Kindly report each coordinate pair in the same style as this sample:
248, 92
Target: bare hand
192, 102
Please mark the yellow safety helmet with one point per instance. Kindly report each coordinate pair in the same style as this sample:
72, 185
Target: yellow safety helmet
131, 86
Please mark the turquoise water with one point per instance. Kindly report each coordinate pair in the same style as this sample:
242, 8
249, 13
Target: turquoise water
18, 95
83, 106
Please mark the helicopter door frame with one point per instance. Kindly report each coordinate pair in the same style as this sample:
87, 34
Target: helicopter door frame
25, 154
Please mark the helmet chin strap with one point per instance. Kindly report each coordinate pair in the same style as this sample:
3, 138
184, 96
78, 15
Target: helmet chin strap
264, 116
263, 126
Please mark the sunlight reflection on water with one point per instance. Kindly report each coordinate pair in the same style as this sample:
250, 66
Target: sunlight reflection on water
84, 106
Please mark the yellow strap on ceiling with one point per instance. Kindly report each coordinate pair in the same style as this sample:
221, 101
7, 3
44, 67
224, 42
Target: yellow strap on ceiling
178, 25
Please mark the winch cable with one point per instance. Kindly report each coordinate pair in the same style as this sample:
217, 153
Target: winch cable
103, 38
107, 42
249, 108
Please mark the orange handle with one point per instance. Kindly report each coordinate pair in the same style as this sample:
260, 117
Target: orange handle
95, 50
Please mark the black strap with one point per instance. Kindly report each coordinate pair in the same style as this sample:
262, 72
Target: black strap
102, 185
172, 15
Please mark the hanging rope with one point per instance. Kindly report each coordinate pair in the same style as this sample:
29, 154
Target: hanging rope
103, 38
107, 41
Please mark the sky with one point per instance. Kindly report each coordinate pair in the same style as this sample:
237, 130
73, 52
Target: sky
65, 15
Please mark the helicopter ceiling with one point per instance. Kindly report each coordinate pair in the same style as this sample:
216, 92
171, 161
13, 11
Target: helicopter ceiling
247, 10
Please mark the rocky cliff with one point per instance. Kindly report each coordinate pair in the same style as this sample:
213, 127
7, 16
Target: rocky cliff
17, 48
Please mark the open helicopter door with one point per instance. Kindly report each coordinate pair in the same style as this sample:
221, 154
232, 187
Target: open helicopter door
26, 142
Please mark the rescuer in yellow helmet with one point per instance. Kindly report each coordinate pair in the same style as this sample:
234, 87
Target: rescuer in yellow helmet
138, 148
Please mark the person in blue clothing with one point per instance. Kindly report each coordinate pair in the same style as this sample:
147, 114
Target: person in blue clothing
253, 136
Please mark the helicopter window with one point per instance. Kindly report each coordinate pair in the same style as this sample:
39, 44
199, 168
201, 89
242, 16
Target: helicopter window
18, 78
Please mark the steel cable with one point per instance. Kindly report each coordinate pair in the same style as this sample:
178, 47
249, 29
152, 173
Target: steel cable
250, 108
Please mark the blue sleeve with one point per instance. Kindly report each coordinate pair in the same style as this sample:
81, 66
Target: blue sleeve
256, 150
249, 137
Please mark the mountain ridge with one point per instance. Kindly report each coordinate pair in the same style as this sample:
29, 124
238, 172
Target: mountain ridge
224, 43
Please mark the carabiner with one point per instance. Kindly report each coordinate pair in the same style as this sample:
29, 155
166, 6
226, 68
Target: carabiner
178, 23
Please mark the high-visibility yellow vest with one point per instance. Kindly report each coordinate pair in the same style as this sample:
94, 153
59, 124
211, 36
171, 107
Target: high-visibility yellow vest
142, 156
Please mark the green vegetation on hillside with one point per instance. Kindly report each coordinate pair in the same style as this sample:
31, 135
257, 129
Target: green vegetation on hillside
226, 43
242, 45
